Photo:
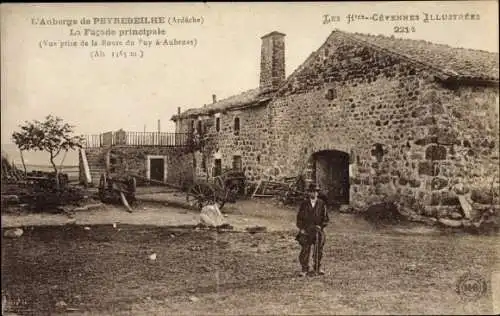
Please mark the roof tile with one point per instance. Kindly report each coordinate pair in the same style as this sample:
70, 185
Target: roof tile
461, 62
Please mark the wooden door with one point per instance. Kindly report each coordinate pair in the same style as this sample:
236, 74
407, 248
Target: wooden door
157, 166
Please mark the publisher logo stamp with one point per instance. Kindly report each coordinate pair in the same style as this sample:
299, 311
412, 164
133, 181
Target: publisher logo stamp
471, 286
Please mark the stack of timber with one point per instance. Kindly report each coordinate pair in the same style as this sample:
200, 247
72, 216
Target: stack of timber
269, 189
284, 189
10, 173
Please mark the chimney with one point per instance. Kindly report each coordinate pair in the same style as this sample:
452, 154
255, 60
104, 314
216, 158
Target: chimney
179, 110
272, 61
214, 98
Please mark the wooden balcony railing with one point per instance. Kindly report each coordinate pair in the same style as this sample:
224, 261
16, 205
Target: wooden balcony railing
138, 139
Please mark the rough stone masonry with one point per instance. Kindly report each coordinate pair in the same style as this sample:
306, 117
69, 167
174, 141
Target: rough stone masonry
418, 121
434, 138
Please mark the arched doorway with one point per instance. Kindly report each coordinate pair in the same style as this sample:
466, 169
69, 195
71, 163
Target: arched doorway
331, 173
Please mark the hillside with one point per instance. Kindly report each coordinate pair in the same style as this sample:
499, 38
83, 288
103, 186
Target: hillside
37, 158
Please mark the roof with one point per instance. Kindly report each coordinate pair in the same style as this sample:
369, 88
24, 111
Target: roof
460, 63
273, 33
450, 62
249, 97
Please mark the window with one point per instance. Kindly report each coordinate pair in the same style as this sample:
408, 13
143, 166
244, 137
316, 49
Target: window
204, 164
331, 94
112, 165
199, 127
217, 167
378, 151
192, 126
236, 126
237, 163
217, 124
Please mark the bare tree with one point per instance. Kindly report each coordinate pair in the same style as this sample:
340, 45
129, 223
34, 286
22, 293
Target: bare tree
51, 135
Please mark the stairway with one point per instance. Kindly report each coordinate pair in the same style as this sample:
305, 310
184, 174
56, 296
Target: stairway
96, 165
95, 174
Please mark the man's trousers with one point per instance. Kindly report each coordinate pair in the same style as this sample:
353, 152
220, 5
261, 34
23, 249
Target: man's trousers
308, 245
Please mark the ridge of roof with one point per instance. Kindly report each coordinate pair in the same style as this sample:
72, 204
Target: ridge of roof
447, 70
443, 73
232, 102
252, 96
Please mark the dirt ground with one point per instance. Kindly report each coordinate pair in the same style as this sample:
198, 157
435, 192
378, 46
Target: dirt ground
86, 266
154, 212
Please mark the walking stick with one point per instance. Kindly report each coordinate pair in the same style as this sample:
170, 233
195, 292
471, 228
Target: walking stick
316, 254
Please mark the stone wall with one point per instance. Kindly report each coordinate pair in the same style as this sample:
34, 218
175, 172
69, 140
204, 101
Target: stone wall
460, 150
133, 159
272, 61
184, 125
250, 143
407, 134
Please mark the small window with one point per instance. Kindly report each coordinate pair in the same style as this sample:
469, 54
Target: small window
237, 165
236, 126
217, 124
331, 94
199, 127
204, 164
378, 151
192, 126
217, 167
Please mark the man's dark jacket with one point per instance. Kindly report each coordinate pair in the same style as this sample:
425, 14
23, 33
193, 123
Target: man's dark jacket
309, 217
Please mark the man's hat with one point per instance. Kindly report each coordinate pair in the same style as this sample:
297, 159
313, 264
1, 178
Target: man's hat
313, 187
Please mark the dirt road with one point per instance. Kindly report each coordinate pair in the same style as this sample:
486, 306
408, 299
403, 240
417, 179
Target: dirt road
240, 216
103, 270
109, 271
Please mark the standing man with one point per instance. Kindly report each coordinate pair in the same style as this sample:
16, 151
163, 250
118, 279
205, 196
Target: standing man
311, 220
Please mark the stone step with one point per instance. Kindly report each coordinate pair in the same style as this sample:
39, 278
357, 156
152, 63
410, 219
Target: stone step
97, 167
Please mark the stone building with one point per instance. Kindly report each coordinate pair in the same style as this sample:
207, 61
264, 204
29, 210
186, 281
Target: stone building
364, 116
154, 157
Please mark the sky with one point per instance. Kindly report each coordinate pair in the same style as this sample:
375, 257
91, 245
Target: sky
106, 94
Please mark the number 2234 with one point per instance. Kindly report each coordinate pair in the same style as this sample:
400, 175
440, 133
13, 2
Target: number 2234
404, 29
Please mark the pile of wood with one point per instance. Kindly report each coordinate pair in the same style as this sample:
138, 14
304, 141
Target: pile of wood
36, 189
288, 190
10, 173
269, 188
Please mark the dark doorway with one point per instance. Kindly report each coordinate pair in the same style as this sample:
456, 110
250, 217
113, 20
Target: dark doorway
157, 166
217, 167
237, 165
331, 173
236, 126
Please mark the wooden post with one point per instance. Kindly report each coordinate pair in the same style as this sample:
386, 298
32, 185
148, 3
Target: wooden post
62, 161
22, 160
159, 131
256, 189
